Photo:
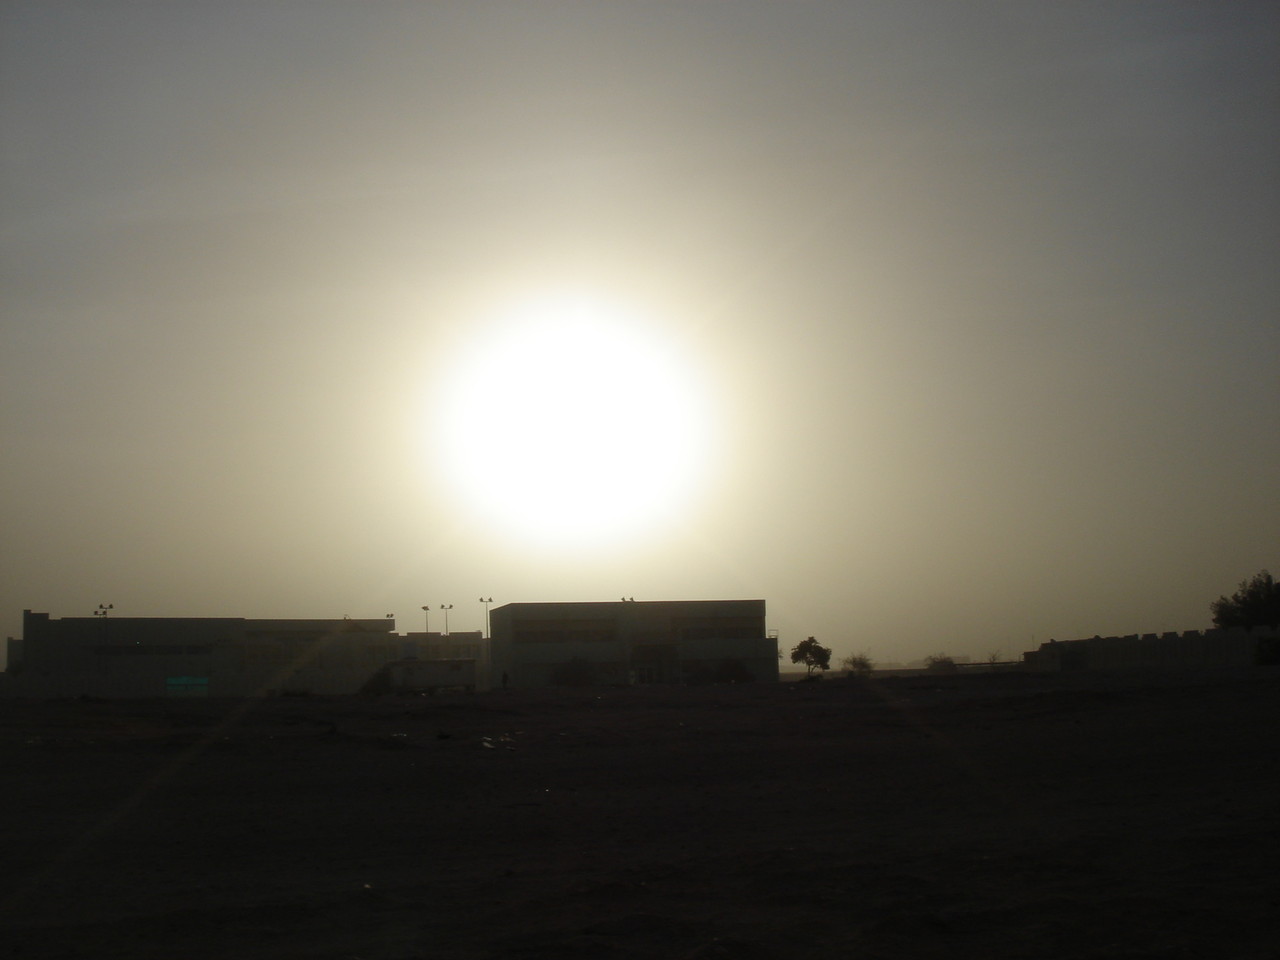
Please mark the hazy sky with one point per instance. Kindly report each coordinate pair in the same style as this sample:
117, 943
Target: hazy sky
977, 307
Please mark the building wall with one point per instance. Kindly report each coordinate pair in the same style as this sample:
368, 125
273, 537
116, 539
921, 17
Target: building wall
457, 645
711, 660
536, 644
533, 645
1191, 650
549, 663
228, 657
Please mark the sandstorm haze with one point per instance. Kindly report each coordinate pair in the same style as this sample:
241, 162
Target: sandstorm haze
979, 301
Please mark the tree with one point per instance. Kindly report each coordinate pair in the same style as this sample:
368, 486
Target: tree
812, 654
858, 665
1255, 604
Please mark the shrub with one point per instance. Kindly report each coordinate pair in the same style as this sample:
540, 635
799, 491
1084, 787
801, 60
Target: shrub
858, 665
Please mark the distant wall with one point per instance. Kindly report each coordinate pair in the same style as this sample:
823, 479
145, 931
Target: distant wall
1191, 650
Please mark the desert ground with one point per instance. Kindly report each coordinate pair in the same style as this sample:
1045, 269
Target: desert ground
993, 816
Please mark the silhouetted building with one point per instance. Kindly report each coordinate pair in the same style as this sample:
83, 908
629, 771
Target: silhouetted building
534, 644
456, 645
181, 656
669, 641
1191, 650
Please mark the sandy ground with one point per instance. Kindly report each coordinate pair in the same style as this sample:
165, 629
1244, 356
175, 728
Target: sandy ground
998, 816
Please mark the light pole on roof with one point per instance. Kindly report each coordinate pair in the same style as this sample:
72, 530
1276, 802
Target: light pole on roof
446, 607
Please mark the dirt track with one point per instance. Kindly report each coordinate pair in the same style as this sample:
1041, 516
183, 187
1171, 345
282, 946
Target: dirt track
1004, 816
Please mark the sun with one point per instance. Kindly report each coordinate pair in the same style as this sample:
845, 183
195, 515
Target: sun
573, 421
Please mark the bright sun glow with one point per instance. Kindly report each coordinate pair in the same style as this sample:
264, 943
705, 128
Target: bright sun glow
573, 422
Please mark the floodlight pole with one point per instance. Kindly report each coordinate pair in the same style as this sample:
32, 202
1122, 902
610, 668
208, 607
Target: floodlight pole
446, 607
486, 602
426, 620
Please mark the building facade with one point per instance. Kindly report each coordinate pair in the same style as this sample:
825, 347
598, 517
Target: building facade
1190, 650
625, 642
532, 644
218, 657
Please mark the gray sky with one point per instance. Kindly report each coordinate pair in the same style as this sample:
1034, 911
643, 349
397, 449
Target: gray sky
977, 302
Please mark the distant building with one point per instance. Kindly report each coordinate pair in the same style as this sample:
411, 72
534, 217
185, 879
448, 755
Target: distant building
458, 645
624, 642
534, 644
1191, 650
219, 657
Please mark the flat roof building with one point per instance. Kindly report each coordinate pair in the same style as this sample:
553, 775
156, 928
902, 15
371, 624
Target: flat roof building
627, 641
532, 644
111, 656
